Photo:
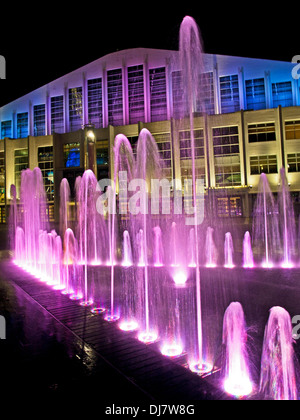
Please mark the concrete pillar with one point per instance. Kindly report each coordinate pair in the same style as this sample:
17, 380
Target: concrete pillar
217, 98
104, 96
30, 119
66, 108
85, 117
146, 90
242, 91
269, 100
48, 114
125, 94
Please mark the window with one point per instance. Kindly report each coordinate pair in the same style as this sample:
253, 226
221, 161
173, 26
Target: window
6, 129
186, 154
75, 108
208, 93
229, 91
115, 97
57, 114
263, 164
185, 144
72, 155
292, 130
103, 160
229, 207
293, 161
158, 94
255, 94
21, 163
45, 162
22, 125
227, 156
95, 113
177, 94
39, 120
2, 178
261, 132
136, 94
163, 141
282, 94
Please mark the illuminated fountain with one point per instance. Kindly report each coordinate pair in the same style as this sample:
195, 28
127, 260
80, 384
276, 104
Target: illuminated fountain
210, 249
154, 263
237, 375
247, 251
228, 251
265, 223
278, 380
287, 221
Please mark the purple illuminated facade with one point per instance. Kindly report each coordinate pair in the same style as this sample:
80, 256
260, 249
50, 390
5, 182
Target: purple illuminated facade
252, 102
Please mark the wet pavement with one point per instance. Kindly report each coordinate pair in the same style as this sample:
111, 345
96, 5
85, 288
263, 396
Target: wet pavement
56, 348
41, 357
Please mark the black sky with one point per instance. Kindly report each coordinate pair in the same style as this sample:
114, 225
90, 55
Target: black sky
40, 45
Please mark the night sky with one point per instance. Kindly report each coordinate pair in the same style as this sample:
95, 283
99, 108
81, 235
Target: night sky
42, 45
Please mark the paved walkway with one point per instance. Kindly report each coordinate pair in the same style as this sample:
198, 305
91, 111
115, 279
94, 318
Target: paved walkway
53, 346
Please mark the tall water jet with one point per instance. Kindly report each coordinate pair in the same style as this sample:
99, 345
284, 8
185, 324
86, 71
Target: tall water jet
158, 247
191, 248
247, 251
237, 375
88, 226
228, 251
12, 216
72, 278
123, 172
127, 252
141, 248
64, 201
33, 199
287, 221
277, 380
265, 223
191, 64
20, 253
210, 249
148, 168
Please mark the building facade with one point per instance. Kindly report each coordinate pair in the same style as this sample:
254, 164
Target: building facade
251, 125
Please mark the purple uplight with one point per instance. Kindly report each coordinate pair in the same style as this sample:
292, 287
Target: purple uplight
172, 349
148, 337
111, 318
130, 325
239, 387
180, 278
98, 310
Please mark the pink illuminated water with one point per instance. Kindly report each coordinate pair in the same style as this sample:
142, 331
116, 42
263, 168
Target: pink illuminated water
228, 251
278, 380
144, 269
265, 223
158, 247
247, 251
127, 252
210, 249
237, 376
287, 221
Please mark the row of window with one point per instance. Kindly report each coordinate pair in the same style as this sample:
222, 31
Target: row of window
229, 100
227, 167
